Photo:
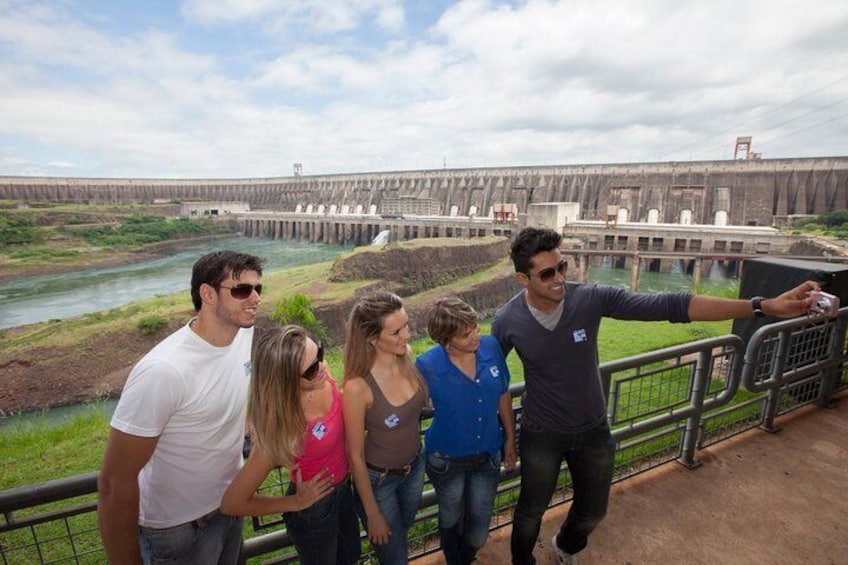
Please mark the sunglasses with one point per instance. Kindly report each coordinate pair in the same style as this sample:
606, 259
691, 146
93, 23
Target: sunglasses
243, 291
546, 275
312, 371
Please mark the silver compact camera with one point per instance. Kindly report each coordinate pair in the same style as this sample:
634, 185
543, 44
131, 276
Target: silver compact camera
824, 304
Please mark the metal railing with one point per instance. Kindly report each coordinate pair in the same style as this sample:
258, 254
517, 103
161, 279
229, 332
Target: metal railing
663, 406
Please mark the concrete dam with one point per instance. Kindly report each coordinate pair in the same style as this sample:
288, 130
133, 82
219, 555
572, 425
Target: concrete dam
758, 192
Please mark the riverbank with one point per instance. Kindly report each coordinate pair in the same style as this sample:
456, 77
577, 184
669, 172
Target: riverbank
69, 361
103, 258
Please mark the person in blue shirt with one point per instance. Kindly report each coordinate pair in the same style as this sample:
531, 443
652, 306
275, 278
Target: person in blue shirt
473, 428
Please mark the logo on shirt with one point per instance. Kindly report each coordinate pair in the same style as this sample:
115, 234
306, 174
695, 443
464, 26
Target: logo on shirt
579, 335
495, 371
247, 368
392, 421
319, 430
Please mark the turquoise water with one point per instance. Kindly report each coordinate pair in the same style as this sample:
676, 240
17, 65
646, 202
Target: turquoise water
39, 299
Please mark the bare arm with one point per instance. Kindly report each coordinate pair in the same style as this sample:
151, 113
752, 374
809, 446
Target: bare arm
356, 399
117, 488
241, 499
791, 303
507, 418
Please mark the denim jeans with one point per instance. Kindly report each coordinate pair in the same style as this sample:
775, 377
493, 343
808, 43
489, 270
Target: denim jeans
590, 456
215, 538
465, 491
398, 498
327, 531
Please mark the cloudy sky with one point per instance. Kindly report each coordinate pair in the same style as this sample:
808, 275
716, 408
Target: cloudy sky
247, 88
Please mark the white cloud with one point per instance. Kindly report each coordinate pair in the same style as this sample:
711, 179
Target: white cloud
361, 85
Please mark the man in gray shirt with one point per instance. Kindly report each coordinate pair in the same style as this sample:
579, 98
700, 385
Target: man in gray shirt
553, 326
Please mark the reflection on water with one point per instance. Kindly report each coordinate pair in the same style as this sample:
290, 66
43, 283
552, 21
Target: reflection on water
38, 299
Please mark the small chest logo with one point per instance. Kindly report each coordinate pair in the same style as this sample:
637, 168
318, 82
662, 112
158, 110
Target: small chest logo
579, 335
392, 421
495, 371
319, 430
247, 368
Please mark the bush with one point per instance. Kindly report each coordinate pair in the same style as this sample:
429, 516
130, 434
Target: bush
297, 309
834, 219
151, 324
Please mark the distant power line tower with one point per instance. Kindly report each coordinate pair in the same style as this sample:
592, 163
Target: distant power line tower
743, 148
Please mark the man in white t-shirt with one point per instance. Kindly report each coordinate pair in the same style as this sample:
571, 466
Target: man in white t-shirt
176, 437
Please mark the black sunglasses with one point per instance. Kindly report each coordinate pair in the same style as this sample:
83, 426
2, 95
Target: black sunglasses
243, 291
312, 371
546, 275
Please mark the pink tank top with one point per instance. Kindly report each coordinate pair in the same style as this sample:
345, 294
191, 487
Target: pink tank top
324, 443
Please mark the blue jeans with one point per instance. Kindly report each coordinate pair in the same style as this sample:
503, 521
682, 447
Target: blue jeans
465, 491
327, 531
214, 538
398, 498
590, 456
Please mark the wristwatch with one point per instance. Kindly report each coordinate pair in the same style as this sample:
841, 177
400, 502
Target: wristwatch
757, 305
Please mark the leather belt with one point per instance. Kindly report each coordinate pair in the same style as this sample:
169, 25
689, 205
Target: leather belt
398, 471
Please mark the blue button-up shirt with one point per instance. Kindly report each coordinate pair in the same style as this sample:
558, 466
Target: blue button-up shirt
466, 412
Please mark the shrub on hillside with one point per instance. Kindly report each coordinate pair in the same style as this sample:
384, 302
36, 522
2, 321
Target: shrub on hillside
297, 309
834, 219
149, 325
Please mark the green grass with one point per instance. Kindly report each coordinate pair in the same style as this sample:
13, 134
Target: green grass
40, 451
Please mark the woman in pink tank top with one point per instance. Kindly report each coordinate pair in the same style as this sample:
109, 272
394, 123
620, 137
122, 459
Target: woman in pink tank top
296, 413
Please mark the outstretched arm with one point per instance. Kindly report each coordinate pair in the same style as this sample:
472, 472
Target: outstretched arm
791, 303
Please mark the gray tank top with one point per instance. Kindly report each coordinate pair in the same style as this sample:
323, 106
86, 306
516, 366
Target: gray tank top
392, 440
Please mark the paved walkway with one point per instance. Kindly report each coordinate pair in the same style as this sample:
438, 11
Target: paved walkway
758, 499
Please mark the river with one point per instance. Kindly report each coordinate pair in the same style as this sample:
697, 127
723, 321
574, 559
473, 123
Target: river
58, 296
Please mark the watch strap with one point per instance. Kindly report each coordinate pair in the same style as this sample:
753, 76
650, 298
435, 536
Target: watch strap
757, 305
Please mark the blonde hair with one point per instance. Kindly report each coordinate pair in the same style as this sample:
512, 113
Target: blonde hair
275, 410
449, 318
364, 325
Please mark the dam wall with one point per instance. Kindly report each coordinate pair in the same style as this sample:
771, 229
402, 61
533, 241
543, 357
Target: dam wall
739, 192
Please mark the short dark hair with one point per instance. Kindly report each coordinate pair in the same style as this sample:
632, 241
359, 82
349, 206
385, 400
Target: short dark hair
530, 242
214, 267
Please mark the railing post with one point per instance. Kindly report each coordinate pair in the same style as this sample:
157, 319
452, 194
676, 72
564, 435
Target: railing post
696, 399
773, 395
831, 375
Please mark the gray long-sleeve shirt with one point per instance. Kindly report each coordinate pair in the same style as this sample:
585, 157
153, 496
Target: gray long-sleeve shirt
563, 389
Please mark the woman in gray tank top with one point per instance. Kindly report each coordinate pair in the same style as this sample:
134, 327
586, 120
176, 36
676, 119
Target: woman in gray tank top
383, 398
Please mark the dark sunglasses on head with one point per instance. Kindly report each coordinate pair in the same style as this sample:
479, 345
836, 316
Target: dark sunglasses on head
312, 371
546, 275
243, 291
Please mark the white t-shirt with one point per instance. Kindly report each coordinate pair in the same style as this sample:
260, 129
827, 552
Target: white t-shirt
193, 396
